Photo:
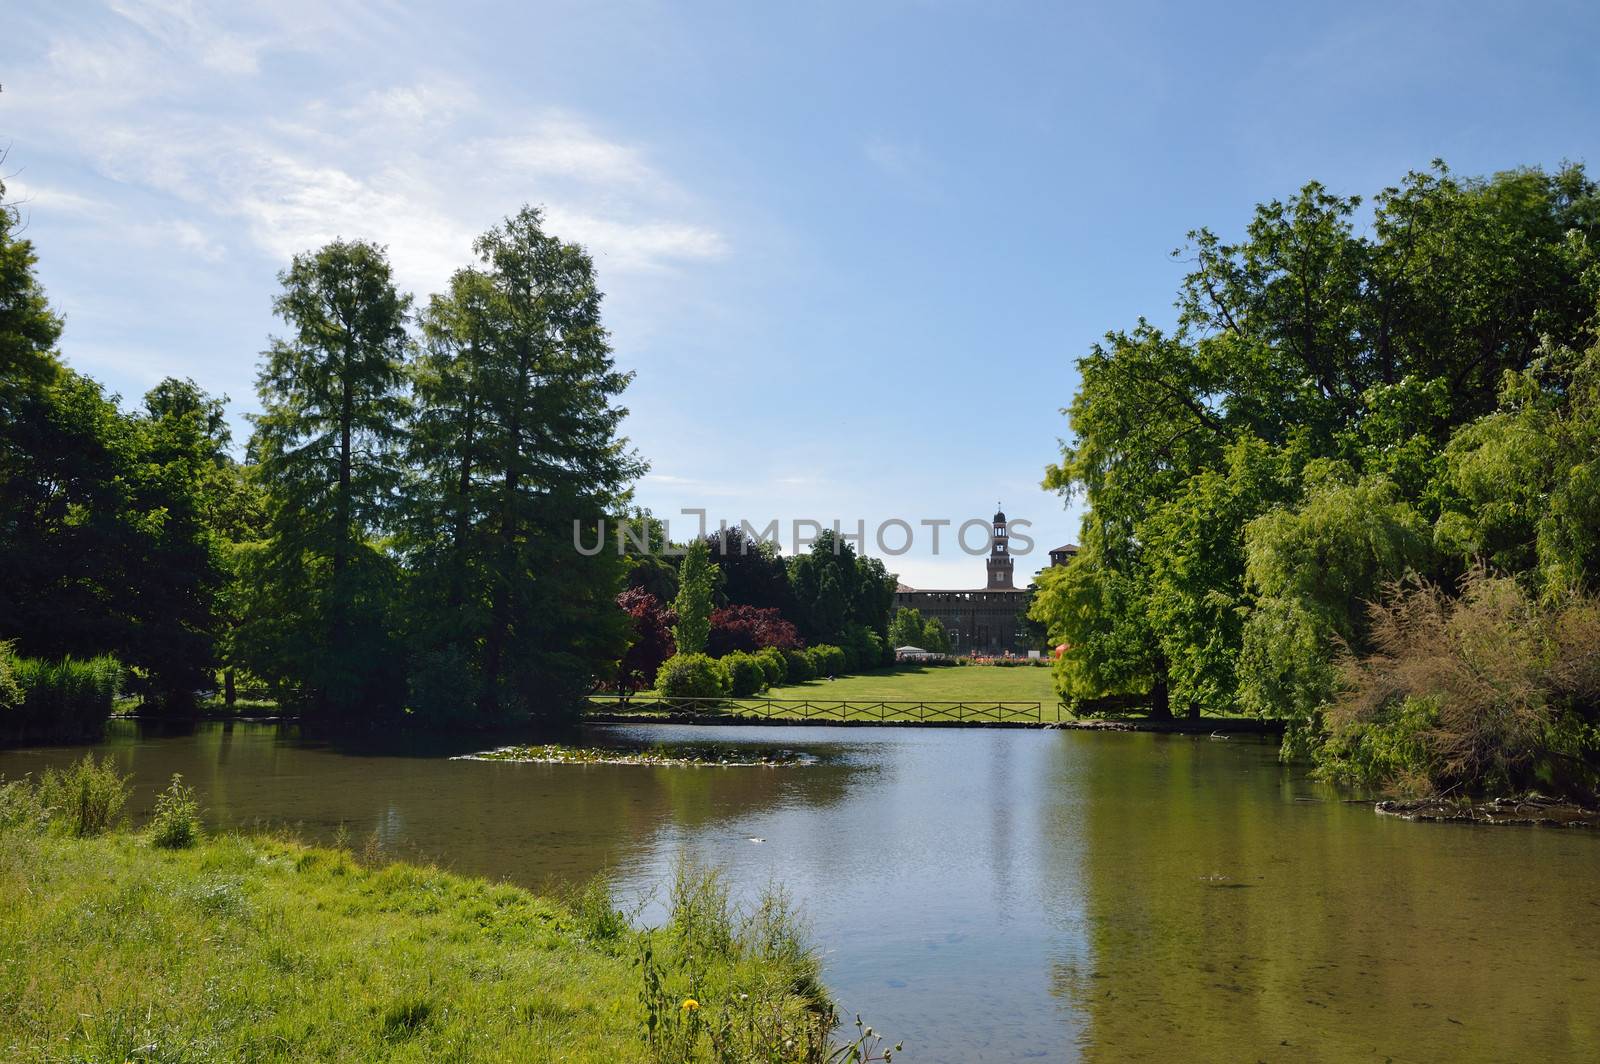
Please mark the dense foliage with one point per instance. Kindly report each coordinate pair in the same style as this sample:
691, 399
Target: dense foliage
401, 537
107, 542
753, 573
1490, 688
1347, 398
909, 629
750, 628
650, 643
516, 446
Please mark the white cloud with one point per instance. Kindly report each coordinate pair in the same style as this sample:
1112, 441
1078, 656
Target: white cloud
29, 197
180, 26
159, 102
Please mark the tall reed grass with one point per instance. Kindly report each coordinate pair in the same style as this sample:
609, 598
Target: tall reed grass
55, 701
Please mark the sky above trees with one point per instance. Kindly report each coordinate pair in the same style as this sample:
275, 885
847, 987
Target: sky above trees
851, 253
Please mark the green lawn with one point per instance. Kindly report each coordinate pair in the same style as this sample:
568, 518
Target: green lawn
919, 685
943, 683
260, 949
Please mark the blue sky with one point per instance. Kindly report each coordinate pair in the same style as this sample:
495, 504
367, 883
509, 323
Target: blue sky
851, 249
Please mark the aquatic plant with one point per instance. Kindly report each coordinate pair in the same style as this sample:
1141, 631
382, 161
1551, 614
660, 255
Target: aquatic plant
725, 755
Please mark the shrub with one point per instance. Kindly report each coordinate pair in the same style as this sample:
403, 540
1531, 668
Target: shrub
799, 665
827, 660
1491, 690
10, 689
651, 642
746, 676
863, 648
176, 822
693, 676
869, 648
750, 628
776, 665
85, 799
852, 661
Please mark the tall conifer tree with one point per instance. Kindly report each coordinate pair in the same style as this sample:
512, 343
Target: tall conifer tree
332, 411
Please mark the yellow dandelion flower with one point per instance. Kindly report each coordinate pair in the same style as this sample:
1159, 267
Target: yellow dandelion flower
690, 1004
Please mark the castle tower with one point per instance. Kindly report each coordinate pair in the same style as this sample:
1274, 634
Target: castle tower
1000, 556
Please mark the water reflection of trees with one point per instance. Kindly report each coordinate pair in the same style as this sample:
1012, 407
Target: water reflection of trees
533, 824
1229, 911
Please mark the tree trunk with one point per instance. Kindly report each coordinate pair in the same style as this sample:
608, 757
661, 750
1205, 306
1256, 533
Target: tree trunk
230, 694
458, 565
341, 548
500, 606
1160, 700
342, 507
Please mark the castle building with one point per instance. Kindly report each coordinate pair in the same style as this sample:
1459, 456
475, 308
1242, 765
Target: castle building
986, 621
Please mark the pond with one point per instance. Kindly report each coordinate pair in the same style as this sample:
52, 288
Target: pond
1006, 895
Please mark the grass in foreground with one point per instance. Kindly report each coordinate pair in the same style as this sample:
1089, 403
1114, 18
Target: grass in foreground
120, 947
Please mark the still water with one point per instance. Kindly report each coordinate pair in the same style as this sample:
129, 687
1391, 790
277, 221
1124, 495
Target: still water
1004, 896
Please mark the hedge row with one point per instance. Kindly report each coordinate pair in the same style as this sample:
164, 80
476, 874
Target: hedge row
742, 675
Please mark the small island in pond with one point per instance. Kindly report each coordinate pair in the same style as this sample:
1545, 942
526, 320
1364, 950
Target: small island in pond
691, 756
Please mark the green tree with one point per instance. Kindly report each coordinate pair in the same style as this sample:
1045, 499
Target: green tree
181, 486
874, 601
240, 526
1195, 544
104, 514
697, 581
935, 638
1305, 340
1311, 571
833, 589
1520, 487
1100, 610
907, 628
753, 572
644, 543
333, 410
29, 329
516, 453
62, 446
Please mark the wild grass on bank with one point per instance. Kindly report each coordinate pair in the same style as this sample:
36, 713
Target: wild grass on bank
85, 799
725, 983
175, 824
114, 947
